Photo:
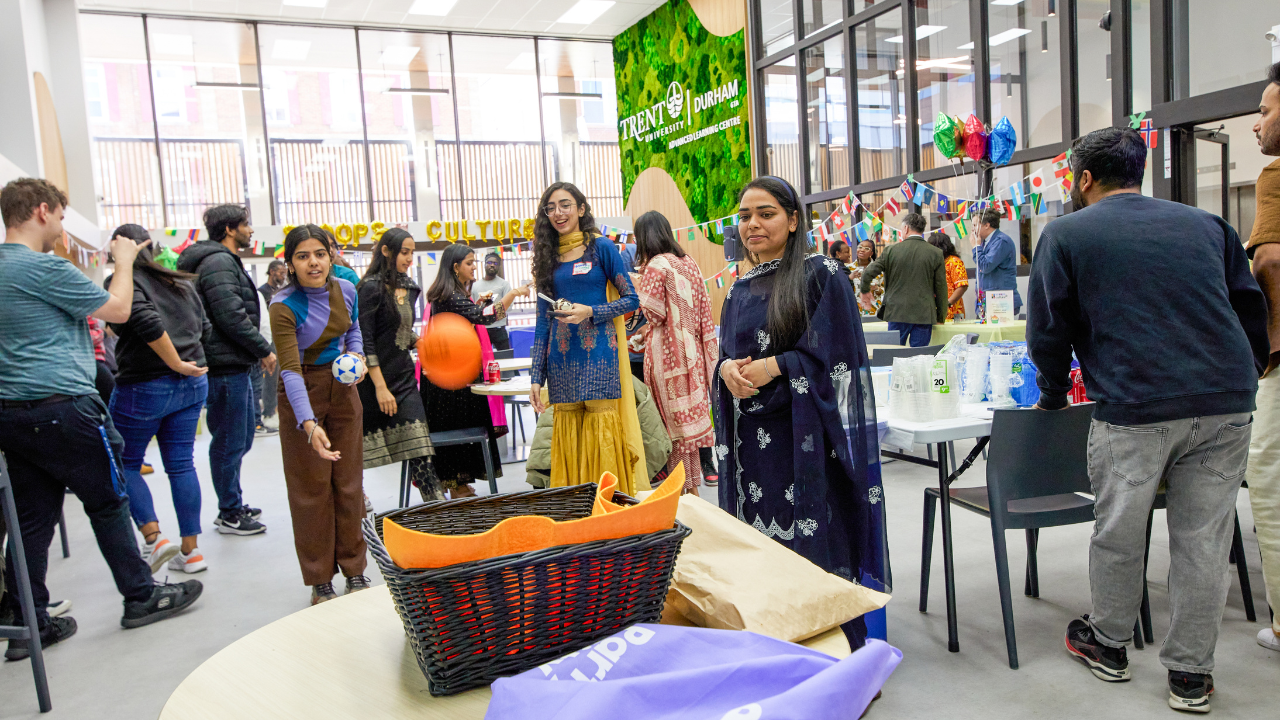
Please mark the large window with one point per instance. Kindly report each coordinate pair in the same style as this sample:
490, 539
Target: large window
826, 115
338, 125
1025, 83
881, 86
1094, 65
782, 136
944, 70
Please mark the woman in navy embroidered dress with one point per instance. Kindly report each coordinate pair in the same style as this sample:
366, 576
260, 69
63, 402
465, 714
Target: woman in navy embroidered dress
796, 428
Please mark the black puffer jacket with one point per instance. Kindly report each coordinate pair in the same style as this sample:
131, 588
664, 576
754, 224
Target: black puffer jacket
231, 302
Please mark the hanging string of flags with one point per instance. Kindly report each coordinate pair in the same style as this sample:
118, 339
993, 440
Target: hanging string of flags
1029, 191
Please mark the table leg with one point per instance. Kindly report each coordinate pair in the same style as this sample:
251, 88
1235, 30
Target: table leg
944, 485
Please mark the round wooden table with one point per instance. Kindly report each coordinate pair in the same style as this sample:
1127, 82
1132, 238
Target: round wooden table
347, 658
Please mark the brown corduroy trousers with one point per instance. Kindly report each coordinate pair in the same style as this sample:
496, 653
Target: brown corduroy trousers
326, 499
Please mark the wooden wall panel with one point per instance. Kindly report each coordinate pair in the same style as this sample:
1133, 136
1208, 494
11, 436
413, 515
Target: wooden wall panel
721, 17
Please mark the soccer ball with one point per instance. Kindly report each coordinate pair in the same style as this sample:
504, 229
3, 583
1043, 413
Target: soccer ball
348, 368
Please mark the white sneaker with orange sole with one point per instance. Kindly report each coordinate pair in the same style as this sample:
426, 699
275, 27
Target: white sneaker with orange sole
189, 563
158, 552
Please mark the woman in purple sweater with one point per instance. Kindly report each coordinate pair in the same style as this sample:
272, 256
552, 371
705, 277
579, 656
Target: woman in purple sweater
314, 320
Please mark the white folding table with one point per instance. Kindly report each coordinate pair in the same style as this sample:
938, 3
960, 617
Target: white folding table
974, 422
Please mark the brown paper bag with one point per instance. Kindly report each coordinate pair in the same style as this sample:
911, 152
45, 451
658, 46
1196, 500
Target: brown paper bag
731, 577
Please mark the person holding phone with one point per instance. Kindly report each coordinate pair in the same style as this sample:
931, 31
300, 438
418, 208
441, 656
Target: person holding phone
580, 348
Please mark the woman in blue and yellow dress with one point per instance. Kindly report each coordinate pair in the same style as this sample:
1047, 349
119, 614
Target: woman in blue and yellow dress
579, 350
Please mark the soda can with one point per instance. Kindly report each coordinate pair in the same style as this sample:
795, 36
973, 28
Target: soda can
492, 373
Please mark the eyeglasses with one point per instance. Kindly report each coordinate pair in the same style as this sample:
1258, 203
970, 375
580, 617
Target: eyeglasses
565, 206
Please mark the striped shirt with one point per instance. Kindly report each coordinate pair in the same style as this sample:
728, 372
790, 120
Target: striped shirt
313, 326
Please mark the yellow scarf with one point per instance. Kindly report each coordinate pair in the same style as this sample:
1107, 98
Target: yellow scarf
572, 240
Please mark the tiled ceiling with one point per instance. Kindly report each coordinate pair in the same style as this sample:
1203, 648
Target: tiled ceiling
529, 17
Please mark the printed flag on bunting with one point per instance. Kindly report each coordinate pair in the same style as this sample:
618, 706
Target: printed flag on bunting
905, 187
1016, 191
1008, 210
839, 222
719, 280
1017, 212
279, 251
942, 204
861, 230
876, 225
962, 228
1037, 203
926, 194
892, 206
844, 206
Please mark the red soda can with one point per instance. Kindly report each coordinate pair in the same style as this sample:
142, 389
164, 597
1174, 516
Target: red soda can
492, 373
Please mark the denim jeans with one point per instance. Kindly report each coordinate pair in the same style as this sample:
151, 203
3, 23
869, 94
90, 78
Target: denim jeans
167, 409
918, 334
230, 418
1201, 462
58, 447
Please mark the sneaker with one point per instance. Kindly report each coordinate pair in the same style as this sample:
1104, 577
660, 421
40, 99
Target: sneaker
1268, 639
322, 593
252, 512
58, 629
58, 608
1190, 691
264, 431
356, 583
158, 552
238, 523
166, 601
190, 563
1106, 663
146, 469
272, 422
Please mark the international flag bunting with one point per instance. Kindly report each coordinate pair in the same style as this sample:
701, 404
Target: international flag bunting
838, 221
279, 251
844, 207
892, 206
719, 280
1016, 191
1149, 132
1008, 210
1038, 203
962, 228
431, 258
171, 232
733, 270
1017, 212
861, 230
962, 207
943, 204
876, 225
1062, 170
905, 187
924, 194
1037, 180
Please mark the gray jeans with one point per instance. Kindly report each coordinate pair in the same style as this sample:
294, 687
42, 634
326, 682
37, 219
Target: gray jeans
1200, 463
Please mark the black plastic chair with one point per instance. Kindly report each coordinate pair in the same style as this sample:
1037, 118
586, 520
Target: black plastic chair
29, 630
466, 436
882, 337
514, 404
881, 357
1037, 467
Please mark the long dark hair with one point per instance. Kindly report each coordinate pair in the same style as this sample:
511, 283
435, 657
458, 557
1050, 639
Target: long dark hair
788, 315
546, 240
940, 240
383, 269
447, 284
296, 237
654, 237
146, 258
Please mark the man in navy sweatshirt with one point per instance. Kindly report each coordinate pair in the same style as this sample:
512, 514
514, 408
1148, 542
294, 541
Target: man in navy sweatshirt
1157, 302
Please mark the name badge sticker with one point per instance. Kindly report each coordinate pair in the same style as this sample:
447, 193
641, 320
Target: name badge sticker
581, 268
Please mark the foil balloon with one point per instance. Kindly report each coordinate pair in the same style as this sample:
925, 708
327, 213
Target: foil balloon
975, 142
944, 136
961, 135
1004, 140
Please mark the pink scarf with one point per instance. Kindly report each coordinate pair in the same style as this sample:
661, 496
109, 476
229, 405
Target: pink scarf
496, 410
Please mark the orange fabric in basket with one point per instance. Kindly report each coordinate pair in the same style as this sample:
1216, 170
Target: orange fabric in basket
414, 549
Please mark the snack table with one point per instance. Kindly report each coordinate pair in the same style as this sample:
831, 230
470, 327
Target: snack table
345, 658
1012, 330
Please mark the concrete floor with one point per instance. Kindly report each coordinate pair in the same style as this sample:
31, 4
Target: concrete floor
105, 672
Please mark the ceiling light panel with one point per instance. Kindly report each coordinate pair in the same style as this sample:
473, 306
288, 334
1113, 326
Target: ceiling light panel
922, 32
438, 8
585, 12
398, 55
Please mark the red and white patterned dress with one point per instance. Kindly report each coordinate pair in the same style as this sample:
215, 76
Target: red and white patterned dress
680, 356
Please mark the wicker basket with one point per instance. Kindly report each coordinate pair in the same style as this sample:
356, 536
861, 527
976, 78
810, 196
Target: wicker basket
475, 622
